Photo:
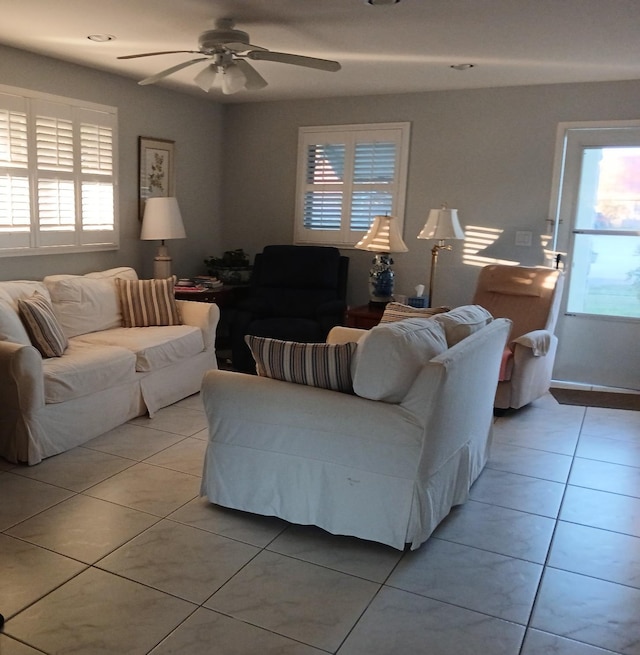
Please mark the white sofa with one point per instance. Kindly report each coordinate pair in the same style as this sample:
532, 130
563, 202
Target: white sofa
107, 375
385, 463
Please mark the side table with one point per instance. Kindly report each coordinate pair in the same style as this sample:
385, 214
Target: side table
364, 316
222, 296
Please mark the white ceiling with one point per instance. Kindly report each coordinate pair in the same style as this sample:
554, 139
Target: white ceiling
405, 47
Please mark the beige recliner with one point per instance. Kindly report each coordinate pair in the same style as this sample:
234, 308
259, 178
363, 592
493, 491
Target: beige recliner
530, 297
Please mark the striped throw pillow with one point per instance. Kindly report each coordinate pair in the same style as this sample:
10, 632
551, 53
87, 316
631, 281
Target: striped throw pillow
324, 365
42, 325
396, 311
147, 302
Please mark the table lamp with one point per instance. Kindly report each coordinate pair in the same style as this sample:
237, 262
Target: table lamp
162, 220
383, 238
442, 224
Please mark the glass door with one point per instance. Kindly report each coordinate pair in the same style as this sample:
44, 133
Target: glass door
598, 231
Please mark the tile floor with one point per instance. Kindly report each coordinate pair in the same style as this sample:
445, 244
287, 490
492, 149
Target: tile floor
109, 549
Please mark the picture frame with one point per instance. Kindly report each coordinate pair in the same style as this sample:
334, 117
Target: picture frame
156, 168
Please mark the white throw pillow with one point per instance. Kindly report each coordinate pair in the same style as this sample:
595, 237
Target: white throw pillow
87, 303
463, 321
11, 327
390, 357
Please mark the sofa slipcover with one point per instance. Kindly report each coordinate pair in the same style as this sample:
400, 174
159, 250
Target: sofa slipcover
375, 469
107, 375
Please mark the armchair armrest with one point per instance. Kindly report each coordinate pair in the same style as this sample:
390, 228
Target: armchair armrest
341, 334
21, 398
539, 341
21, 377
202, 315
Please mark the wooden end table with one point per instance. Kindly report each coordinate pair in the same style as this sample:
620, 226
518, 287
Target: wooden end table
222, 296
364, 316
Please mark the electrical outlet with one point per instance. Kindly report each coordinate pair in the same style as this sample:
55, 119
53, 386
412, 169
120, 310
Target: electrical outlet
523, 238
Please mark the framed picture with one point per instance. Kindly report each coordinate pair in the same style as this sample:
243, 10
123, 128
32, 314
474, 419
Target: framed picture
157, 169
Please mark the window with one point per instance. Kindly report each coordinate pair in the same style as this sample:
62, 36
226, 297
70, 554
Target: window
347, 174
57, 174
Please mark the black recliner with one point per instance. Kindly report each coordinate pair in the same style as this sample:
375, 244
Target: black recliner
298, 293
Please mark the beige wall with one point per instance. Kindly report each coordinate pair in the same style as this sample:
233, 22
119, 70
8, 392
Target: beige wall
489, 153
194, 124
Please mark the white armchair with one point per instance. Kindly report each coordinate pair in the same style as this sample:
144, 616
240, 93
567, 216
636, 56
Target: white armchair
530, 297
385, 463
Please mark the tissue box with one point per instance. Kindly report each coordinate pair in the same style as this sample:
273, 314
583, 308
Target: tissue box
418, 301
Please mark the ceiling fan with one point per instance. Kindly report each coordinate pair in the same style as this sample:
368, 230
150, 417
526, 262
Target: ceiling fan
226, 50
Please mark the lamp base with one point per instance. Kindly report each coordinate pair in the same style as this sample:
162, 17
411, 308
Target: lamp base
162, 263
381, 279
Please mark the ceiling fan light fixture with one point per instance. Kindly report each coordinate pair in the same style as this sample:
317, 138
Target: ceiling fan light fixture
462, 67
377, 3
206, 77
233, 79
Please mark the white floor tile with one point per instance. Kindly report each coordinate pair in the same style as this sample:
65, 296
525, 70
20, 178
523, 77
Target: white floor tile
603, 476
529, 461
498, 530
180, 560
600, 509
29, 572
101, 614
592, 611
302, 601
241, 526
543, 643
364, 559
148, 488
210, 632
475, 579
400, 622
598, 553
83, 528
21, 498
519, 492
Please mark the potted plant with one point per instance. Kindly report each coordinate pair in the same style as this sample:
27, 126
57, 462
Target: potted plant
232, 268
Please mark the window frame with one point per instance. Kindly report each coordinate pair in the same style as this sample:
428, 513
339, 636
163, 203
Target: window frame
349, 135
91, 126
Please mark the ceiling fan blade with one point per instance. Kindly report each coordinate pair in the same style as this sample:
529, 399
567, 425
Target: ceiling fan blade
152, 54
296, 60
206, 77
239, 46
254, 81
169, 71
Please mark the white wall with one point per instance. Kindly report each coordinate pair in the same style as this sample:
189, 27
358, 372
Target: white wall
487, 152
196, 127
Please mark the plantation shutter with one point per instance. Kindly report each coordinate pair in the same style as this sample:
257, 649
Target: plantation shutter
15, 211
373, 181
57, 175
346, 176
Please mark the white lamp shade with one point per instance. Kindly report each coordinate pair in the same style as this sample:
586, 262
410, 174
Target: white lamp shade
442, 224
383, 236
162, 220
